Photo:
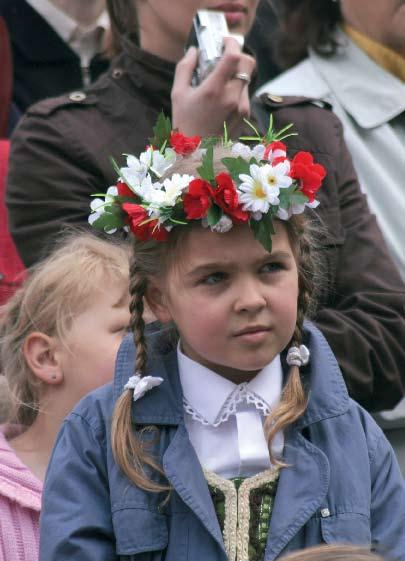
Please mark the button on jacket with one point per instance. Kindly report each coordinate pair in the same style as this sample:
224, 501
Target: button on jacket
61, 156
343, 484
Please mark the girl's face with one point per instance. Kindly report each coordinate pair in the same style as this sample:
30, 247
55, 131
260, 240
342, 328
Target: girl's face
87, 358
170, 22
234, 304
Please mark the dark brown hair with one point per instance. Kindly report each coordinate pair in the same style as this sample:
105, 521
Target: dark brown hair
304, 24
124, 21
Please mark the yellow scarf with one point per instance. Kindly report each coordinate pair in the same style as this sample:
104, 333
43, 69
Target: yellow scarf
385, 57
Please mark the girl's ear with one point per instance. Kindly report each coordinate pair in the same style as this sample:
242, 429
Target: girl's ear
157, 302
42, 358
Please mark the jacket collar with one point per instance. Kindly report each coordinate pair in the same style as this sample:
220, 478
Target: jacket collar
370, 94
328, 396
163, 405
150, 75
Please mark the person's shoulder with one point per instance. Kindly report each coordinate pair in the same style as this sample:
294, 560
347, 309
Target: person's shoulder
301, 80
317, 127
69, 101
94, 410
372, 432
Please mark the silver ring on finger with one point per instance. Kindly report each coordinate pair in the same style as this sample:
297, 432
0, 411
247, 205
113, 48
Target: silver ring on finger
244, 76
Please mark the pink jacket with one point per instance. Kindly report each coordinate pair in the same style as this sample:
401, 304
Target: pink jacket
20, 505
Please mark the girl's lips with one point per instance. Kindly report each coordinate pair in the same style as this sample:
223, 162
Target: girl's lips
254, 337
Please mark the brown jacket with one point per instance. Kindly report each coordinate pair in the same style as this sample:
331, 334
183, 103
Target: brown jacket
60, 156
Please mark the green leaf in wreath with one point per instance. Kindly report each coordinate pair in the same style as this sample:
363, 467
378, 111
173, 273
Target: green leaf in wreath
209, 141
206, 170
161, 131
298, 198
108, 221
214, 215
236, 166
263, 230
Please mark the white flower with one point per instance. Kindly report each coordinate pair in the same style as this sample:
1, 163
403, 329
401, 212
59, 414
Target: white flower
97, 206
134, 173
144, 188
159, 163
142, 385
284, 214
258, 152
247, 153
241, 150
175, 186
223, 225
256, 194
166, 194
277, 176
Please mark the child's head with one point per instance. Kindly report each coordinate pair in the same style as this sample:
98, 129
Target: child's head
60, 332
221, 249
216, 286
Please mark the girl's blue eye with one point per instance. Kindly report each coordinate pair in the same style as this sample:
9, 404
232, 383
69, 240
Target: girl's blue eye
214, 278
272, 267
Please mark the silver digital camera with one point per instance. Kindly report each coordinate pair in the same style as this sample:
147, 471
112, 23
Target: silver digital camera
209, 30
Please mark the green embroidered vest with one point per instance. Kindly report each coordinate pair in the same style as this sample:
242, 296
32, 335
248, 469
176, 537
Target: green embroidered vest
243, 507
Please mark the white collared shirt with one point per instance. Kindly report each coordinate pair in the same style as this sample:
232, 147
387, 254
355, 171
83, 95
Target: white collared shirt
225, 420
86, 42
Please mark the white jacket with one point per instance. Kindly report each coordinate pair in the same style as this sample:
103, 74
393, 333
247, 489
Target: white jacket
371, 105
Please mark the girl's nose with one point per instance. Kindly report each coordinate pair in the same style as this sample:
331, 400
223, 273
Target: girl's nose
250, 298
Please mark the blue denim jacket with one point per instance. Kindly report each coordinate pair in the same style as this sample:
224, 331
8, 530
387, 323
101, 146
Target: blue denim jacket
343, 483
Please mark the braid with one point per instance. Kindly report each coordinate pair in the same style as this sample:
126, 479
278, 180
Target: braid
137, 290
128, 449
294, 400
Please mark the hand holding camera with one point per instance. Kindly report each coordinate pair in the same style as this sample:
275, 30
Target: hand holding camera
223, 72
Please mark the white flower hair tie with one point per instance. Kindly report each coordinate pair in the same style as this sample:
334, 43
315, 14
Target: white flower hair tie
141, 385
298, 356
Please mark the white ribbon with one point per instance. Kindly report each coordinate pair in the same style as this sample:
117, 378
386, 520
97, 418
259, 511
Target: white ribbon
141, 385
298, 356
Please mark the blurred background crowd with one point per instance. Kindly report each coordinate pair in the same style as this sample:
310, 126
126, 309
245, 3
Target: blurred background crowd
83, 80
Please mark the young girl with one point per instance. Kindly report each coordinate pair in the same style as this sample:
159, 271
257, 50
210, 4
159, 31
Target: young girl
240, 442
59, 337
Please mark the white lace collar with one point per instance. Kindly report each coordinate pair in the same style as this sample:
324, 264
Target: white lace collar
211, 399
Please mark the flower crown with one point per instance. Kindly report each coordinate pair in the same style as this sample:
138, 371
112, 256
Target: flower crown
260, 184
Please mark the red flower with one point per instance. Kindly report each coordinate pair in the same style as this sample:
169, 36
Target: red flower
124, 190
275, 152
308, 174
198, 199
226, 197
141, 226
184, 145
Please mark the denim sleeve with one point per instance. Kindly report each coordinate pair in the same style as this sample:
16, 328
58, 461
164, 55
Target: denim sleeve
76, 513
387, 502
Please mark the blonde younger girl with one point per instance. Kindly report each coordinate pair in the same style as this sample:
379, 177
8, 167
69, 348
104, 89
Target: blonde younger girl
239, 441
59, 337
